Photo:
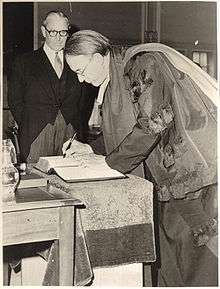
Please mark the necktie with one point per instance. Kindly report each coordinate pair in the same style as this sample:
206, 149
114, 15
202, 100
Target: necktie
58, 66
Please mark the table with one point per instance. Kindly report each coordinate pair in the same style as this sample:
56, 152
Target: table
116, 225
38, 215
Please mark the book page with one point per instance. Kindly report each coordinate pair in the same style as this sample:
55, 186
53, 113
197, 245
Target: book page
79, 167
93, 167
46, 163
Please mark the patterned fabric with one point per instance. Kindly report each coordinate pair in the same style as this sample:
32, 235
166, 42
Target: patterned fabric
115, 227
167, 103
181, 163
174, 119
205, 82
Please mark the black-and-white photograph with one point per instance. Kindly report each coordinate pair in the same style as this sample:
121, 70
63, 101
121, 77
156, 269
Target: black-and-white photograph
109, 143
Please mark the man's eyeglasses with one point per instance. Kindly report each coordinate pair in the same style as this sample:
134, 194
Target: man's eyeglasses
82, 72
53, 33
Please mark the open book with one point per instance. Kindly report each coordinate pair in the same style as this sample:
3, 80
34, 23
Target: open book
79, 168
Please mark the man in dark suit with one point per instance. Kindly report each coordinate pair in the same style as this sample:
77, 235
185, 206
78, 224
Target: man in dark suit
45, 96
47, 101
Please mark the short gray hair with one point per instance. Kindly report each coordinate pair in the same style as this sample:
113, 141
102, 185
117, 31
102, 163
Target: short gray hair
86, 42
55, 13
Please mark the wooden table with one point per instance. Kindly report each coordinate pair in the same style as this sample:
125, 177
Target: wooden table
117, 223
36, 216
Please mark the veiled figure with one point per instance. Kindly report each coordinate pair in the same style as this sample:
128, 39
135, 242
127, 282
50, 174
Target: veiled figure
159, 108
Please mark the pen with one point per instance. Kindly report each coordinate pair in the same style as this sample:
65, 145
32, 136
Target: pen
69, 145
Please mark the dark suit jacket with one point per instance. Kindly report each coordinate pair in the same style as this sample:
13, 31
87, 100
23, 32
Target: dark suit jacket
36, 95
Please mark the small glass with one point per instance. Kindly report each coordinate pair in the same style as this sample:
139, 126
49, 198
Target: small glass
9, 144
10, 175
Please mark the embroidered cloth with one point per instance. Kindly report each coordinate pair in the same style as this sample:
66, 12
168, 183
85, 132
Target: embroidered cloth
150, 97
115, 227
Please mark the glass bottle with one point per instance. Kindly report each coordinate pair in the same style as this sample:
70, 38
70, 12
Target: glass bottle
9, 143
10, 175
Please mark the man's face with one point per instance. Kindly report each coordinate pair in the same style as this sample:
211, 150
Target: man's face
55, 23
89, 68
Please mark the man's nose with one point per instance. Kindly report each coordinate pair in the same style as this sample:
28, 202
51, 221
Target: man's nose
58, 36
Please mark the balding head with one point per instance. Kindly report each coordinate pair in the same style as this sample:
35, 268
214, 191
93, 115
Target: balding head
55, 15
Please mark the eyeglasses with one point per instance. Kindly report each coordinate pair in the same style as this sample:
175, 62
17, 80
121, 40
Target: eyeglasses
82, 72
53, 33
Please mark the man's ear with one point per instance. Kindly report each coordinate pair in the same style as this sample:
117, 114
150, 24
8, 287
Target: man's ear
43, 30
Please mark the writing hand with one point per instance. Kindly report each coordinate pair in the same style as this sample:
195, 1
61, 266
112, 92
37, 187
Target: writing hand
76, 148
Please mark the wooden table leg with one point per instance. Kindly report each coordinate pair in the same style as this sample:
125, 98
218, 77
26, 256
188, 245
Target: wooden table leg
6, 272
66, 246
147, 277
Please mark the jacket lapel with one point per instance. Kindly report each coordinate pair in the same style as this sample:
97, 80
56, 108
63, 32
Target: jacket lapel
46, 72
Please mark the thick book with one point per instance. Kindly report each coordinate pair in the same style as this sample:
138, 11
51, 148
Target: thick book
79, 168
31, 180
48, 164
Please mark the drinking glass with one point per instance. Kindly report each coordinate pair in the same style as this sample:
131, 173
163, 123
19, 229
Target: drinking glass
9, 144
10, 175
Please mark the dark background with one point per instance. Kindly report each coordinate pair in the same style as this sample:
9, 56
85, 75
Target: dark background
17, 31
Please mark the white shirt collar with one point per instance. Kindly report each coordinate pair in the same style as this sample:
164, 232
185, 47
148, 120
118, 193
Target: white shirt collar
51, 53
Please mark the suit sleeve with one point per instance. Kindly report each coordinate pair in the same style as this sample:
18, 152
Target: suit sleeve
135, 148
16, 91
154, 119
